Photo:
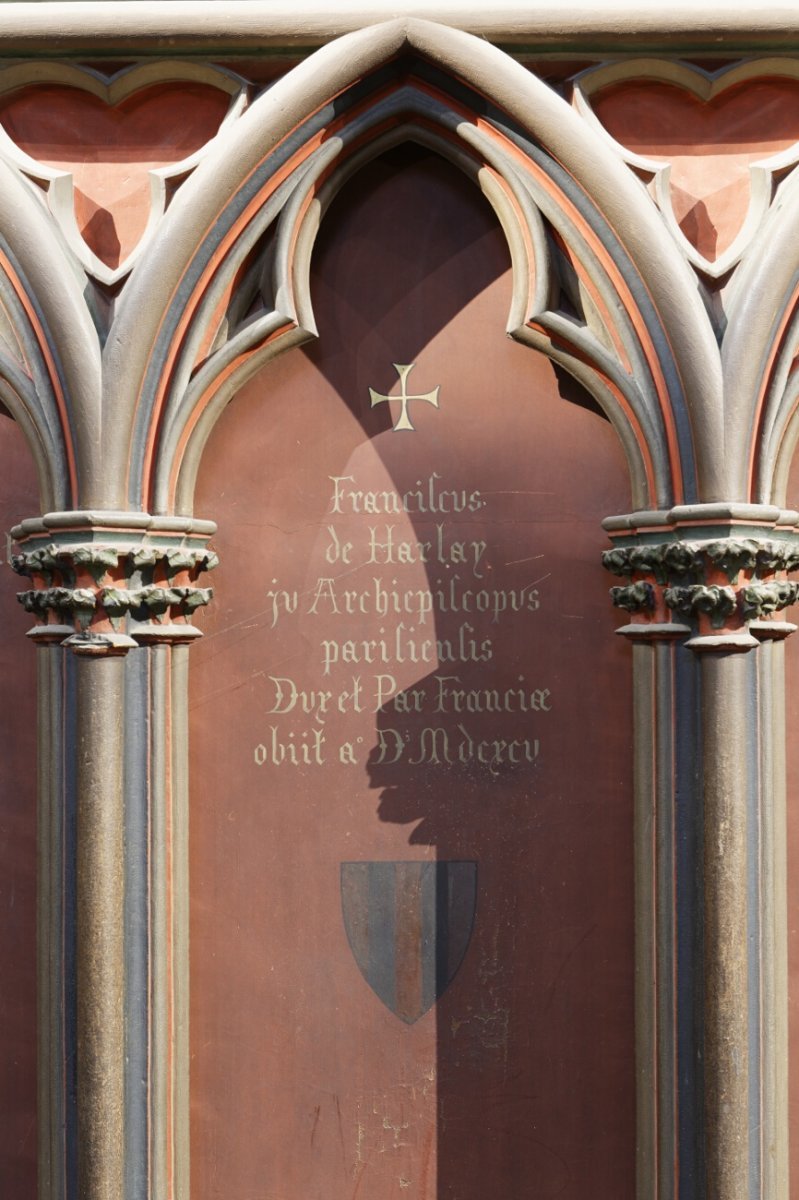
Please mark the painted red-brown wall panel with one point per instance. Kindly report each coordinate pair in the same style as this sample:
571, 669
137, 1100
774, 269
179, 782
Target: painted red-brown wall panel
305, 1084
18, 498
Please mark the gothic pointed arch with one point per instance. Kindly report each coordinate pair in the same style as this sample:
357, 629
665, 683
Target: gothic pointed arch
208, 306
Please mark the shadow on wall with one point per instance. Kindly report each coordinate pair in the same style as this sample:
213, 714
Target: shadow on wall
462, 874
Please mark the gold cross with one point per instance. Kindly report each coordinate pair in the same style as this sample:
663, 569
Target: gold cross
404, 420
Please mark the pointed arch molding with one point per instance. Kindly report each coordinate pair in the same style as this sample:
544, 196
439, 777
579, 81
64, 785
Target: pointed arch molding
50, 361
644, 347
761, 350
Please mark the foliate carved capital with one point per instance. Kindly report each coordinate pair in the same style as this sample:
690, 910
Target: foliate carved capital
101, 583
717, 603
635, 597
716, 572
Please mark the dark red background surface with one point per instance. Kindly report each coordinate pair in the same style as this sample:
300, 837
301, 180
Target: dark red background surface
520, 1081
18, 498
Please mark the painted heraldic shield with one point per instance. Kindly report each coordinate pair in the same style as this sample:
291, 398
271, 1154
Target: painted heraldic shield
409, 925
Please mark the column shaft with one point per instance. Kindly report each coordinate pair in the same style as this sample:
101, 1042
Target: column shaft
100, 924
727, 731
113, 926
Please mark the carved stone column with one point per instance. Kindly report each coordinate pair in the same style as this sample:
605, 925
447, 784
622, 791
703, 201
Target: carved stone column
113, 597
712, 946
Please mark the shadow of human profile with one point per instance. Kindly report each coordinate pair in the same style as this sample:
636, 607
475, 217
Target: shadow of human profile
479, 758
469, 789
487, 750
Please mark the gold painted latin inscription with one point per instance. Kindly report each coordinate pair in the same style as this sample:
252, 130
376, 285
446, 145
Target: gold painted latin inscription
459, 585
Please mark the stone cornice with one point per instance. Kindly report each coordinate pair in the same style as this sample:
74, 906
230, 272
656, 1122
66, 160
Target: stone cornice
249, 26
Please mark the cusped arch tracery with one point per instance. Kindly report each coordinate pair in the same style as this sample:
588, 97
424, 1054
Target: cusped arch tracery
590, 350
619, 312
50, 366
760, 351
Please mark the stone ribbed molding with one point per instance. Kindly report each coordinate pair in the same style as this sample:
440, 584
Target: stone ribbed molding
102, 583
718, 572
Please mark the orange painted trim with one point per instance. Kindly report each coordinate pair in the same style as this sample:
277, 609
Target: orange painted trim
215, 321
444, 135
216, 318
352, 148
522, 226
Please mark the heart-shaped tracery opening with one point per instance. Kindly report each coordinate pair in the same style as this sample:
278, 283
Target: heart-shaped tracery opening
109, 149
709, 144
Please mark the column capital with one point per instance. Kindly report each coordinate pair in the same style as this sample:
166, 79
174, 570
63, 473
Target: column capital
717, 572
104, 582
